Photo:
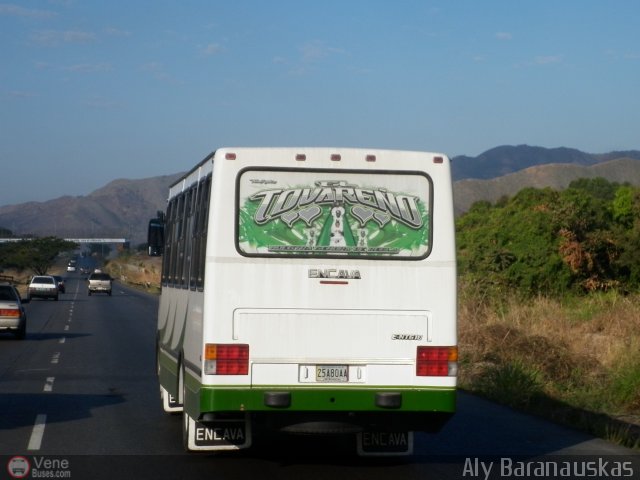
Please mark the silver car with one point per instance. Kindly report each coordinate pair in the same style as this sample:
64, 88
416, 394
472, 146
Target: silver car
99, 282
13, 317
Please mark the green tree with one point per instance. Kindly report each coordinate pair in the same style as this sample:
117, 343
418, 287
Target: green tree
623, 206
626, 213
512, 246
542, 241
598, 187
37, 254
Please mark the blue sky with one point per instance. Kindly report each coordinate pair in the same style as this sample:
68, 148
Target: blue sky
92, 91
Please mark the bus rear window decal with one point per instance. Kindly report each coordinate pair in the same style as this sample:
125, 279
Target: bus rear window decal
310, 213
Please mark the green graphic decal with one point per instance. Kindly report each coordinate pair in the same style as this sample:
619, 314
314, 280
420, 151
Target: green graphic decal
345, 216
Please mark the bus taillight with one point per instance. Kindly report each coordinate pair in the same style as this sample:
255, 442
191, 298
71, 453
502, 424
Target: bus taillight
226, 359
437, 361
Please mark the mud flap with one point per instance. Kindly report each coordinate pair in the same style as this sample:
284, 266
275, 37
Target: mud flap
222, 434
384, 444
170, 404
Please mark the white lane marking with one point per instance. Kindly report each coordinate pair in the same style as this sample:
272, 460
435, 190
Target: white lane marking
48, 385
35, 441
62, 340
66, 327
55, 358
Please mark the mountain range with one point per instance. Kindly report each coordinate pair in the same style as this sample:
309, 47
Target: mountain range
123, 207
506, 159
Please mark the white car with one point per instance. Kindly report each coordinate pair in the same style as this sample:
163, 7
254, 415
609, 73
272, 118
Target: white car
13, 317
99, 282
43, 286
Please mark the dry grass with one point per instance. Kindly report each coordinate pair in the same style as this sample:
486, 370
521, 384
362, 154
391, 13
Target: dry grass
140, 271
576, 361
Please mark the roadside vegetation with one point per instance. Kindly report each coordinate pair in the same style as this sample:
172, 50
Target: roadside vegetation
549, 305
35, 256
136, 269
20, 260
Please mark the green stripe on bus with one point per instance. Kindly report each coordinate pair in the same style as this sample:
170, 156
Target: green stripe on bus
326, 399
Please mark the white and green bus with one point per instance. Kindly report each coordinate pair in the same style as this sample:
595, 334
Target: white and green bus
309, 290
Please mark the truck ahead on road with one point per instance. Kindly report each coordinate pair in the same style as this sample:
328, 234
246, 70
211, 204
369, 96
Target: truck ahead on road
99, 282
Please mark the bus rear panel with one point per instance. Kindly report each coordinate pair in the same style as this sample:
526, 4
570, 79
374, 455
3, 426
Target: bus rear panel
326, 301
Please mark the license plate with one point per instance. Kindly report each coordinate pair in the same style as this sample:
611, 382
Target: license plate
332, 373
385, 443
222, 434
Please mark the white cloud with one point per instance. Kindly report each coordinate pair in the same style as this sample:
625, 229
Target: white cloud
311, 54
616, 55
316, 50
503, 36
547, 59
100, 103
212, 49
155, 68
52, 38
18, 11
157, 71
116, 32
21, 94
90, 67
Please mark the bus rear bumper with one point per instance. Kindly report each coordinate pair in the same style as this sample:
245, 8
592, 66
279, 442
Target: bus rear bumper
331, 410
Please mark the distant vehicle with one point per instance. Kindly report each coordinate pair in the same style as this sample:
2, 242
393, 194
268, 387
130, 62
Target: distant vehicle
60, 280
99, 282
43, 286
155, 235
13, 317
71, 267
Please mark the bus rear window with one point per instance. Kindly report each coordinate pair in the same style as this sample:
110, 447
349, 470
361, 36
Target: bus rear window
333, 214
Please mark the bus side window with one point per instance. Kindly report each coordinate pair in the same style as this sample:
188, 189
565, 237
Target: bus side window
176, 240
187, 245
168, 246
197, 229
202, 236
